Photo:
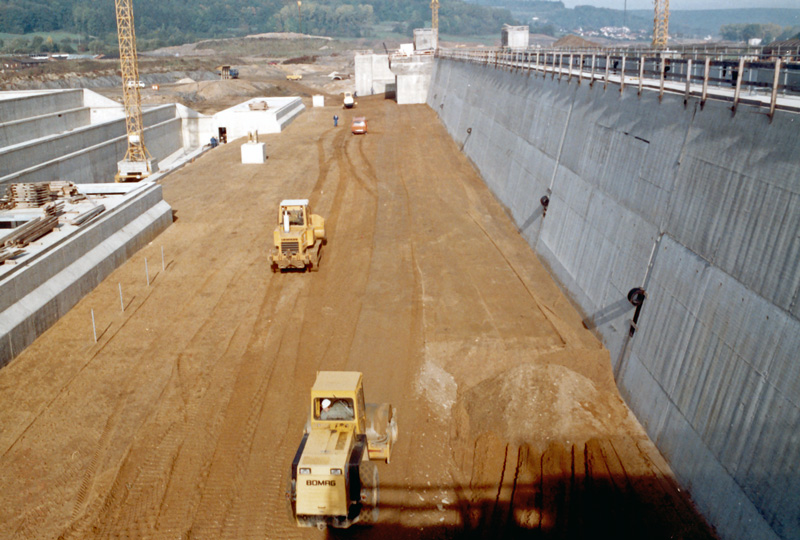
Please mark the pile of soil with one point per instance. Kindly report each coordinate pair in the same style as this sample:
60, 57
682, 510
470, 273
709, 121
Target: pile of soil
572, 41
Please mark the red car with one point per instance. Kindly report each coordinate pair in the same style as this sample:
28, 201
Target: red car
359, 125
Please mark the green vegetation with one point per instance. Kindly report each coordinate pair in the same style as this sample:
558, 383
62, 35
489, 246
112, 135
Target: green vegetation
766, 32
92, 25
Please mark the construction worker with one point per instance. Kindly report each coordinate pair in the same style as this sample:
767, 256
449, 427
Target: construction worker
335, 120
336, 410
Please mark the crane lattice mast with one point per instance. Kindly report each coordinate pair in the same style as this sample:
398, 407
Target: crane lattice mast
136, 164
661, 24
435, 14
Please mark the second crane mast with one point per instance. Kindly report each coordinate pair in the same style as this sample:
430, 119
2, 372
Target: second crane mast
137, 163
660, 24
435, 15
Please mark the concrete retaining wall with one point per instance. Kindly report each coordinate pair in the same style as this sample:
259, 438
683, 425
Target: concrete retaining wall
24, 156
25, 104
19, 131
702, 208
40, 291
98, 163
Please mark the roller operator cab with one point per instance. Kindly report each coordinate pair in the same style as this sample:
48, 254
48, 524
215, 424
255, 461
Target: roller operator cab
333, 483
298, 238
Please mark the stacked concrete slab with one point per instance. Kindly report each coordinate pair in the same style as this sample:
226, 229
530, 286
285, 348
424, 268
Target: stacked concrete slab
78, 136
30, 116
699, 206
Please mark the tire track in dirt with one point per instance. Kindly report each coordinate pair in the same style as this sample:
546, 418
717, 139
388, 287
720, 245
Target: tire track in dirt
239, 511
103, 451
179, 512
546, 313
88, 477
151, 471
255, 391
363, 181
324, 164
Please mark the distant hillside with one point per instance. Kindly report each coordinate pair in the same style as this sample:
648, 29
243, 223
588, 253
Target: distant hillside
553, 16
709, 21
172, 22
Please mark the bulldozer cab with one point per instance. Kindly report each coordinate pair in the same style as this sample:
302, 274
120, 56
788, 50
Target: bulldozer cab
337, 402
292, 213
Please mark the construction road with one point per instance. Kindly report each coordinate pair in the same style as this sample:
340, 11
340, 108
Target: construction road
183, 419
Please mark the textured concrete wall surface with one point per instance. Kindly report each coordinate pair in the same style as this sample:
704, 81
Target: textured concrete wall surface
20, 105
57, 144
98, 163
699, 206
425, 39
19, 131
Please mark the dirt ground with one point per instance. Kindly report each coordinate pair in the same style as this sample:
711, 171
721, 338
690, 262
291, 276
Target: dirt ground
183, 419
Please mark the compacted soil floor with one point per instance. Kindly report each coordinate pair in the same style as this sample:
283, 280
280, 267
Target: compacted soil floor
183, 419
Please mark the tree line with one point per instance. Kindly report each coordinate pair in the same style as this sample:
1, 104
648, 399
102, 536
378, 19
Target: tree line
767, 33
161, 23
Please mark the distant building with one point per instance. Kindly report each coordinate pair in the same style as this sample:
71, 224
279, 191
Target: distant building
515, 37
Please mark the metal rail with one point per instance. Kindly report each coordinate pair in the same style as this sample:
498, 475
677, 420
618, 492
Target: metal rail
770, 82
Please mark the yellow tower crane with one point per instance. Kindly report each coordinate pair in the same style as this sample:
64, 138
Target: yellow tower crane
660, 24
137, 163
435, 14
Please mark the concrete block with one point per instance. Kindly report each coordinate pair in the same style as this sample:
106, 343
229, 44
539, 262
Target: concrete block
426, 39
253, 152
318, 101
372, 74
515, 37
240, 120
413, 77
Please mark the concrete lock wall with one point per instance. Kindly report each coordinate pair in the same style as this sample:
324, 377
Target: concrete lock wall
23, 156
98, 163
702, 208
26, 104
19, 131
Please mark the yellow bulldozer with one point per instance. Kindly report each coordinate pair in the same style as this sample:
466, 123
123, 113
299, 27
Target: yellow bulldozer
298, 238
333, 482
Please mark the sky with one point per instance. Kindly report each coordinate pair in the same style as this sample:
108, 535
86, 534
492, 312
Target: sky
687, 4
